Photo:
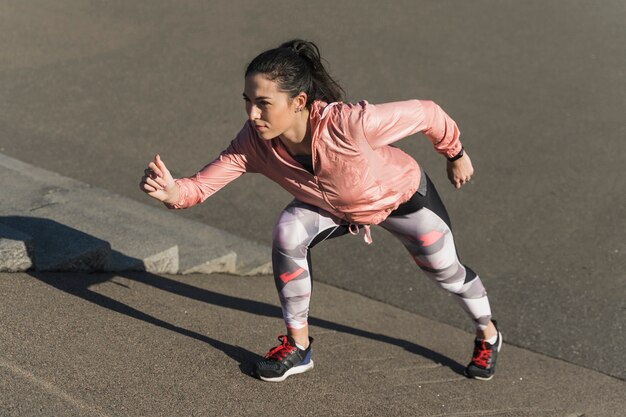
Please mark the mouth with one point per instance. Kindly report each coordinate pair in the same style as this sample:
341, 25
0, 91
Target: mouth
260, 128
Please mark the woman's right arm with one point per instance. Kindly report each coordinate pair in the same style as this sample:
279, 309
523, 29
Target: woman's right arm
186, 192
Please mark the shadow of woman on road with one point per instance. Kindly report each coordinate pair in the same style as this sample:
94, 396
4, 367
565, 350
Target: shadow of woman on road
55, 246
78, 284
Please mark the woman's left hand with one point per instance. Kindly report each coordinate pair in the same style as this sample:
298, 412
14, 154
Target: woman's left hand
460, 171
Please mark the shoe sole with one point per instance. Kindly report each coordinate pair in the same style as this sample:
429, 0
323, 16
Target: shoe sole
293, 371
487, 378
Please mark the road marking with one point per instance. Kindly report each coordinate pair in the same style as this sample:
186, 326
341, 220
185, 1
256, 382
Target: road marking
47, 386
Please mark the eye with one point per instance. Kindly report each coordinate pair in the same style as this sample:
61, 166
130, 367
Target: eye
264, 103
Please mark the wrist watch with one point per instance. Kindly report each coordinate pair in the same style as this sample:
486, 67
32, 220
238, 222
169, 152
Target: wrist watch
457, 156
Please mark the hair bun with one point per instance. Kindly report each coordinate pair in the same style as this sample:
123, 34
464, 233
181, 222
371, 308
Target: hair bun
299, 46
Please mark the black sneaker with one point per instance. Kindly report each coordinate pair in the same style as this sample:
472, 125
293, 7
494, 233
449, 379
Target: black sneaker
284, 360
483, 364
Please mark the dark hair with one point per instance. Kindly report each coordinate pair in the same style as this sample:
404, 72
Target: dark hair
297, 67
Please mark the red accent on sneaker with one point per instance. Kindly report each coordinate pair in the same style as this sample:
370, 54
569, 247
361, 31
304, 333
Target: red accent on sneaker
281, 351
286, 276
482, 355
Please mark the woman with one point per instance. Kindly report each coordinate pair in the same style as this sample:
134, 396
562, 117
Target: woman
338, 162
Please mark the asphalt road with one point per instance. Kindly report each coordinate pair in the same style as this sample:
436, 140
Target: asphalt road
92, 90
139, 344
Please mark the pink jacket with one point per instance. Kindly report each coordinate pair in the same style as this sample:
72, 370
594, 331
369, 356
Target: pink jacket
359, 177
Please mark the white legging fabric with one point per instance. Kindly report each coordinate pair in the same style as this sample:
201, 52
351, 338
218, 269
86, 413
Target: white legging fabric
424, 233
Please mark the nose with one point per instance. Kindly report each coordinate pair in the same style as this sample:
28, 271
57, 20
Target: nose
254, 113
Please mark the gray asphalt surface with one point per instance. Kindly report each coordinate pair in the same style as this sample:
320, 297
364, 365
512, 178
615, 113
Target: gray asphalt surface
156, 345
92, 90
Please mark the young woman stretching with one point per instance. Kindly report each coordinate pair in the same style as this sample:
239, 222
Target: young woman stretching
337, 161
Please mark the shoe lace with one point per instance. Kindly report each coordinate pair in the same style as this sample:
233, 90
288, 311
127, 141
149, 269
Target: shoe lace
281, 351
482, 354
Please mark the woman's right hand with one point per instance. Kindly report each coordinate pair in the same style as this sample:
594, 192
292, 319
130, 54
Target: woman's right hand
158, 183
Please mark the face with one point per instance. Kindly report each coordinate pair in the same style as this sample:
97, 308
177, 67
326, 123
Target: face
272, 112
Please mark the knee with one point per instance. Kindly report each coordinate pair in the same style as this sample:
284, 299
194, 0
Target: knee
289, 240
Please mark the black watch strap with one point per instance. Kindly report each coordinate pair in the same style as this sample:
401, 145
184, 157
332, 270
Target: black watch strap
457, 156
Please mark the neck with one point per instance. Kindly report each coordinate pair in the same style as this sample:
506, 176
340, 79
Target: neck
298, 140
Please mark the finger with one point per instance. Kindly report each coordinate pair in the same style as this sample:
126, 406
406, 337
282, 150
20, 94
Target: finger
155, 169
143, 180
161, 182
160, 163
154, 184
146, 188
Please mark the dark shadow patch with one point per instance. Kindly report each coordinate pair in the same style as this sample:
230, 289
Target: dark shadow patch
57, 237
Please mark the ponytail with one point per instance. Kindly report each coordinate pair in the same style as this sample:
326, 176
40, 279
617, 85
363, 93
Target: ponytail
297, 67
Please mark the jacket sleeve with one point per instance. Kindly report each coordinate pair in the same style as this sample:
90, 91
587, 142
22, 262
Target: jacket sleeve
233, 162
386, 123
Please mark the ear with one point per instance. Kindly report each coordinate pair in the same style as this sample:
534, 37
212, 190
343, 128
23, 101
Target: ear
300, 101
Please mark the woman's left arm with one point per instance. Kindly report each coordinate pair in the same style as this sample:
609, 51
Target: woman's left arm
386, 123
460, 171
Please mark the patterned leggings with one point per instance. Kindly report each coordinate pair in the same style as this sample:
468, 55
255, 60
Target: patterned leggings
422, 225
